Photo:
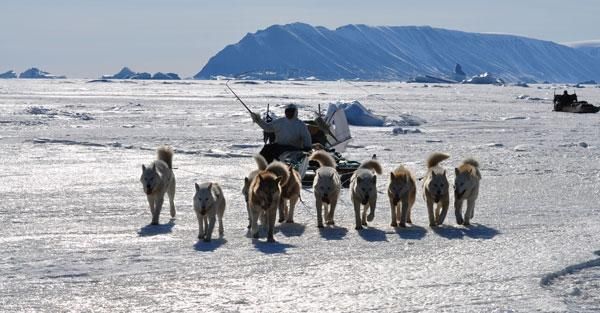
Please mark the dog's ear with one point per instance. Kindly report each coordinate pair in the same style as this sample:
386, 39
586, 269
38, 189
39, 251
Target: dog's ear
246, 180
197, 186
444, 173
154, 167
209, 186
456, 171
392, 176
143, 167
374, 180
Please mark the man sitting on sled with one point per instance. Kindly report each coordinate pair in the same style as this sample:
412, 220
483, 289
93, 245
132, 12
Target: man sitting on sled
291, 134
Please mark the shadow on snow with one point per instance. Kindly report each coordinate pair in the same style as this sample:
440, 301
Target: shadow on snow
160, 229
213, 245
271, 247
411, 232
290, 229
372, 234
333, 232
475, 231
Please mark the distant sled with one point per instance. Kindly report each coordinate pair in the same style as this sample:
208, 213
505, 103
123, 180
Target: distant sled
569, 103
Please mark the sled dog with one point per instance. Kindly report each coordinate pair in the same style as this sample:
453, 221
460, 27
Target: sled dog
290, 194
261, 163
209, 204
435, 189
158, 179
264, 194
402, 192
466, 187
326, 187
363, 190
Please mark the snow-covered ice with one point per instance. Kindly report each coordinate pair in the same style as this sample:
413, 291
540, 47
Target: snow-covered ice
75, 233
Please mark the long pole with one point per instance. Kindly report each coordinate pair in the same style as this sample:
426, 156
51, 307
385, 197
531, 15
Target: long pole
237, 97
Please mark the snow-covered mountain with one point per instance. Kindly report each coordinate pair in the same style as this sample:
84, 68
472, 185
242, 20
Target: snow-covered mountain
591, 47
390, 53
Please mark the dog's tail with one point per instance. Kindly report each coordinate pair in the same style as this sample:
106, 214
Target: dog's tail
435, 158
471, 162
280, 170
373, 165
324, 158
165, 153
260, 162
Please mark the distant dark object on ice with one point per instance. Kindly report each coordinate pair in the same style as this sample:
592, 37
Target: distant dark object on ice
9, 74
35, 73
569, 103
588, 82
459, 74
427, 79
126, 73
521, 84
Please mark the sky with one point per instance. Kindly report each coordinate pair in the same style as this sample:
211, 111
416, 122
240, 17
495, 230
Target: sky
89, 38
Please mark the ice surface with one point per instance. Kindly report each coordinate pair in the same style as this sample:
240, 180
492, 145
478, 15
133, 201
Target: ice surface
75, 233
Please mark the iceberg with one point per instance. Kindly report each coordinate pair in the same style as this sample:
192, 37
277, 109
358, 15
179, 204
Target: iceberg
484, 79
9, 74
35, 73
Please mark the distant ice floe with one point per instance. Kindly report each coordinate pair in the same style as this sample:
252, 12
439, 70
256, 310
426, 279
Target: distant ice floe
35, 110
404, 131
358, 115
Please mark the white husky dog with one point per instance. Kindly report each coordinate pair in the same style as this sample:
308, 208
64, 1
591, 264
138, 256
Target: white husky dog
326, 186
158, 179
209, 204
261, 163
435, 185
466, 187
363, 188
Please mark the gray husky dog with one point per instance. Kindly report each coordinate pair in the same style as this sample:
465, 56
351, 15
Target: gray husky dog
209, 204
326, 186
363, 188
466, 187
158, 179
435, 186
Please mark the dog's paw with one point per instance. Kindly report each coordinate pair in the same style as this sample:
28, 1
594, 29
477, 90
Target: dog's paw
289, 221
281, 220
432, 225
409, 221
364, 223
330, 222
154, 223
394, 224
206, 240
459, 222
359, 227
403, 225
255, 236
370, 217
270, 239
320, 226
466, 223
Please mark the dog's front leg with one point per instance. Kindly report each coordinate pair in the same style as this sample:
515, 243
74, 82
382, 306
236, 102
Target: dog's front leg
404, 215
249, 215
281, 210
271, 216
151, 205
171, 193
290, 210
445, 205
329, 215
372, 203
211, 225
157, 208
200, 226
394, 222
319, 206
430, 212
357, 214
254, 221
458, 211
469, 213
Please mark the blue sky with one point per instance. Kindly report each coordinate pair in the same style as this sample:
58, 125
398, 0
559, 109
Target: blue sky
85, 38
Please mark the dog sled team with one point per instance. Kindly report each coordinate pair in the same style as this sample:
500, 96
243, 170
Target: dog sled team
274, 189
